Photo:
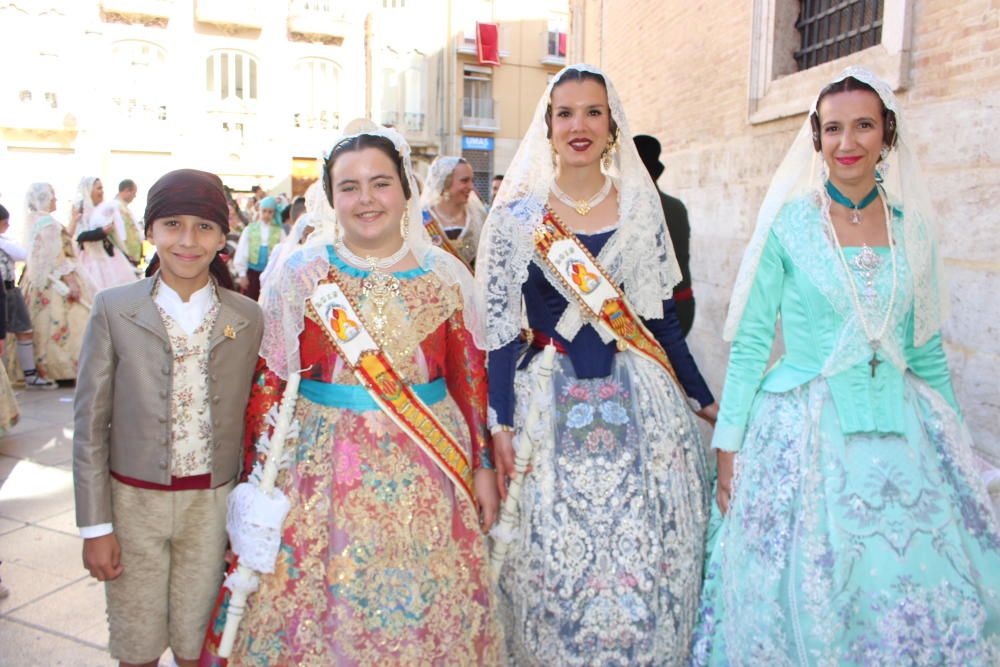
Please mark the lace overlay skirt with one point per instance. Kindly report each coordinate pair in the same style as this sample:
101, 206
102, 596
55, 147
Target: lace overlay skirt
856, 550
381, 561
607, 565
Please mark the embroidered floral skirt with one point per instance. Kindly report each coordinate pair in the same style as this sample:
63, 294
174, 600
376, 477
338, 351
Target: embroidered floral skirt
8, 404
856, 550
381, 561
607, 564
59, 325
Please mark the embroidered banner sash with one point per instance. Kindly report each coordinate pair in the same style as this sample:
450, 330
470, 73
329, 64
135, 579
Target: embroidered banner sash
346, 330
440, 239
596, 293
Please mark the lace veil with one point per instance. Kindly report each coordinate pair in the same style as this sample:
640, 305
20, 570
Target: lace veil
442, 167
83, 201
37, 201
639, 256
283, 300
801, 173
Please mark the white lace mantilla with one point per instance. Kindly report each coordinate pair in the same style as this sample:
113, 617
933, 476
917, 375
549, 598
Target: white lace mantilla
639, 256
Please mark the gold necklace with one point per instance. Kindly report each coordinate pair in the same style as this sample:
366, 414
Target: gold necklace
380, 288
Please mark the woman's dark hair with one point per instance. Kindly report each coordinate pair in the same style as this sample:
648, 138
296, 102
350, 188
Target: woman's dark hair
4, 213
578, 75
847, 85
217, 268
357, 143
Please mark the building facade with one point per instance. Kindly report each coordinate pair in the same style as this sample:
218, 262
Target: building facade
726, 85
257, 91
428, 80
252, 91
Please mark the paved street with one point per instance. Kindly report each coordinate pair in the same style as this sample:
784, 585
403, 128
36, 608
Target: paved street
55, 613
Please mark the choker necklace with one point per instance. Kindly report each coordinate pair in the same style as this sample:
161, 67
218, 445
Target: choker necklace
842, 199
582, 206
370, 263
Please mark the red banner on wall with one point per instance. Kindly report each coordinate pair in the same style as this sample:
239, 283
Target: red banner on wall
488, 43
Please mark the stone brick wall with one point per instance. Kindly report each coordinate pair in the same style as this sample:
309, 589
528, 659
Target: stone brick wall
682, 69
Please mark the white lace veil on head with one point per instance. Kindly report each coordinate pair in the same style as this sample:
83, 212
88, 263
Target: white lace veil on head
801, 173
437, 176
284, 300
37, 202
84, 201
639, 256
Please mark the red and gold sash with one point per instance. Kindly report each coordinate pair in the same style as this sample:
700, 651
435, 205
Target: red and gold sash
598, 295
346, 330
440, 238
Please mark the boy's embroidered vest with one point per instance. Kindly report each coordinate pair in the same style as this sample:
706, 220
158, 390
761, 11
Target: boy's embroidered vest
190, 411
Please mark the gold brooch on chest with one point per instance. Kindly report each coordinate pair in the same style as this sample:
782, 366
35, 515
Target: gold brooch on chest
380, 288
229, 332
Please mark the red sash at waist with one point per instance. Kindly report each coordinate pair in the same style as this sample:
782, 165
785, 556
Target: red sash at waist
176, 483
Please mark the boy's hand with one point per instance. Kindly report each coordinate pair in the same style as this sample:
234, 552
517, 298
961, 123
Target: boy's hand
485, 488
102, 556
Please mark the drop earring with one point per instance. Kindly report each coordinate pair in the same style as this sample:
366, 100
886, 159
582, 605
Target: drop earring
404, 223
607, 156
882, 168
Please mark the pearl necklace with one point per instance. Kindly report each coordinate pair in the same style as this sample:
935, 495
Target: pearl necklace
455, 222
582, 206
370, 262
874, 340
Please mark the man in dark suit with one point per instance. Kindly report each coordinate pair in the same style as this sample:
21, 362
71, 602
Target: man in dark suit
677, 224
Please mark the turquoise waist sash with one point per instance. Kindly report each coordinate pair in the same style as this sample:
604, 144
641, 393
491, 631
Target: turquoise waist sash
356, 398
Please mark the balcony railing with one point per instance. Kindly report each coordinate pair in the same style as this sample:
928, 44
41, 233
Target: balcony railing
414, 122
328, 18
481, 114
152, 8
245, 14
136, 111
324, 120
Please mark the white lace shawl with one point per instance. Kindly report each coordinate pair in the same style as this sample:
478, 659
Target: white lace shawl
639, 256
283, 300
801, 173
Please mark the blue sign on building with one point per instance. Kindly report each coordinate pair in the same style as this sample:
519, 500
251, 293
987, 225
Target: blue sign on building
477, 143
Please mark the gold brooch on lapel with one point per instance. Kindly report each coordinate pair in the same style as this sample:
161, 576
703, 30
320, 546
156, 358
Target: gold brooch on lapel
229, 332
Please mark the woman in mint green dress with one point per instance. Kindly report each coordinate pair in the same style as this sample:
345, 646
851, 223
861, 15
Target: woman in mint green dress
857, 528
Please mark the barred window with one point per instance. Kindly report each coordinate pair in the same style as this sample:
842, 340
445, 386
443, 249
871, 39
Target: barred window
832, 29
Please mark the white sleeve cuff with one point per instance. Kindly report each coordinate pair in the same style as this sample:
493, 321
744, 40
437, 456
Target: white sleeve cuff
100, 530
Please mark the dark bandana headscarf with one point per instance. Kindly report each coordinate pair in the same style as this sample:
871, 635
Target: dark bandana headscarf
188, 192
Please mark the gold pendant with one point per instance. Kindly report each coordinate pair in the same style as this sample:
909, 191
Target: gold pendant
582, 207
379, 287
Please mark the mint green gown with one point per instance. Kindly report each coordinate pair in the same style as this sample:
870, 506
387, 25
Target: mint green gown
859, 530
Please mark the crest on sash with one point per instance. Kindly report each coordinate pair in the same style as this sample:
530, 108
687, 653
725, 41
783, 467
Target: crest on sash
342, 325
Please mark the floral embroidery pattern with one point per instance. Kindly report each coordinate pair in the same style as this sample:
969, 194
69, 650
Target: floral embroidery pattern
608, 569
893, 563
190, 412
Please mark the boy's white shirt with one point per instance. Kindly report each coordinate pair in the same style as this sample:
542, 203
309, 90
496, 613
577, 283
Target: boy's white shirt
189, 316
